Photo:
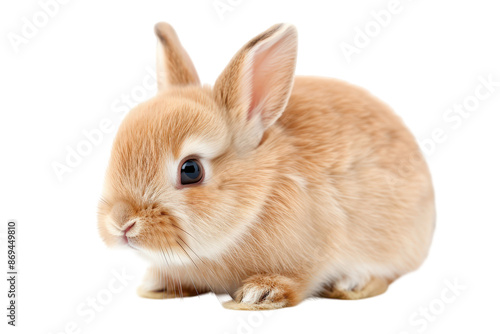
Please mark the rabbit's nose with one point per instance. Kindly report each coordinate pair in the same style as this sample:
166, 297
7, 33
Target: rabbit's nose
121, 213
128, 229
128, 233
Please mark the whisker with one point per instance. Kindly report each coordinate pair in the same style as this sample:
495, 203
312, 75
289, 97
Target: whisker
183, 230
201, 272
172, 267
208, 267
187, 271
178, 276
168, 266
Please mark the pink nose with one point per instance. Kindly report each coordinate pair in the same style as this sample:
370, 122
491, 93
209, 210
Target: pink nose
128, 229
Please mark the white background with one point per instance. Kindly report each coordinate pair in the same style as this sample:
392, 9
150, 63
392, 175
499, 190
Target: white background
73, 73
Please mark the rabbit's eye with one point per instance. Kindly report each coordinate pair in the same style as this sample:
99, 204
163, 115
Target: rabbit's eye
191, 172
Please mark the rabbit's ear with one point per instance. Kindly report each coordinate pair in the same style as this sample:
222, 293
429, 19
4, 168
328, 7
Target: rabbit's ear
173, 65
254, 88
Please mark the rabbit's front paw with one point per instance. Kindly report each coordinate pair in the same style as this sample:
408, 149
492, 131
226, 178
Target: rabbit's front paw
265, 292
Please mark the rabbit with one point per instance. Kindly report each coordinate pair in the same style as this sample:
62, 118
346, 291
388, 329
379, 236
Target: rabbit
267, 187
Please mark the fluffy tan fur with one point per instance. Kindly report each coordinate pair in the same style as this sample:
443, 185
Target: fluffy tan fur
304, 194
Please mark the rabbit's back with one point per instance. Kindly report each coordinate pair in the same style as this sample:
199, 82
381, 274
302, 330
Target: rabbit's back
356, 151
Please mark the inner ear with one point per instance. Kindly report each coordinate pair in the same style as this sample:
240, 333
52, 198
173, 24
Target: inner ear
256, 85
272, 70
173, 65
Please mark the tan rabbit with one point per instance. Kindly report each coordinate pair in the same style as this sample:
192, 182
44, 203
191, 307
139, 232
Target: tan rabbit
267, 187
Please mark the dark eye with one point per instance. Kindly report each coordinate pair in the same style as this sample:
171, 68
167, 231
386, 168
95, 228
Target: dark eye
191, 172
